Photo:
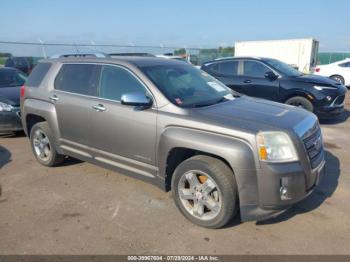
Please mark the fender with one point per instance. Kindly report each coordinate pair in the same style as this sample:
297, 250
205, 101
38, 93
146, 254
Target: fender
45, 110
237, 152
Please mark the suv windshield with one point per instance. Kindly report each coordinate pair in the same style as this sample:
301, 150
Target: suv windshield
186, 86
11, 78
283, 67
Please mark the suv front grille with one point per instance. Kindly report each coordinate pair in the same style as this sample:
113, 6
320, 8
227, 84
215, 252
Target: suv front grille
314, 148
339, 100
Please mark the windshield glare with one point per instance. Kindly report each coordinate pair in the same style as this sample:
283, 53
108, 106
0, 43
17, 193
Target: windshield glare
283, 67
187, 86
11, 78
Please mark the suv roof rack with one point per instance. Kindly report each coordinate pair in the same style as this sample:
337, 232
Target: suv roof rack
132, 54
98, 55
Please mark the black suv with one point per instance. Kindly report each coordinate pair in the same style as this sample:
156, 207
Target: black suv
274, 80
24, 64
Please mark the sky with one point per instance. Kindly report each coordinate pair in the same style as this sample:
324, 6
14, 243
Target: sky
190, 23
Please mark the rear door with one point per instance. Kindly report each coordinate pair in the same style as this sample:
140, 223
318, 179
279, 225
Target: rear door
227, 73
254, 83
75, 84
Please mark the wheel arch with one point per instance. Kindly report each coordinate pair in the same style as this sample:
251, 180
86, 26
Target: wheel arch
35, 111
236, 153
295, 93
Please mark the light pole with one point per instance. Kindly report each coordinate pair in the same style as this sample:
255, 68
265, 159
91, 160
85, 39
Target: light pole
43, 48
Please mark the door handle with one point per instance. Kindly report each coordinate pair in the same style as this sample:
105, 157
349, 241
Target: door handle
99, 108
247, 81
53, 98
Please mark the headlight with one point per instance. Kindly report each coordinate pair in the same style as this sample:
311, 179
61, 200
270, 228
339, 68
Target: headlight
276, 147
5, 107
324, 87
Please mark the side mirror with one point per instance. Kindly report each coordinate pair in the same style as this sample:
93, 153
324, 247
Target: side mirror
136, 99
271, 75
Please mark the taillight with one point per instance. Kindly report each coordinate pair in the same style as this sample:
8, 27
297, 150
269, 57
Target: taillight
23, 91
317, 69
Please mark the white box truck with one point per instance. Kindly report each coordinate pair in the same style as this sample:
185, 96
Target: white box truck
299, 53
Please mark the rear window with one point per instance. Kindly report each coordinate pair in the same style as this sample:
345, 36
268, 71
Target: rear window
78, 78
37, 75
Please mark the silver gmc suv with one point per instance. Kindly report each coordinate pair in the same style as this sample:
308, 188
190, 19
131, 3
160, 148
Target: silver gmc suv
173, 125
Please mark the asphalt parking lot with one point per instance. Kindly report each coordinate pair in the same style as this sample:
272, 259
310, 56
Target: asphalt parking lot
79, 208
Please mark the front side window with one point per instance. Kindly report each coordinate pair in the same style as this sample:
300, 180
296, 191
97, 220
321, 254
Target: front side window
11, 78
282, 67
116, 81
78, 78
255, 69
186, 86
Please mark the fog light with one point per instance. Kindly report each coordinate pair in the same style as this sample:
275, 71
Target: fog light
329, 98
283, 193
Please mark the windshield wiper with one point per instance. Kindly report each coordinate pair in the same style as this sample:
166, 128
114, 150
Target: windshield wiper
222, 99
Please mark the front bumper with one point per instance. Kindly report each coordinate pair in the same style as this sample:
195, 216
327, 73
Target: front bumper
333, 108
272, 178
328, 111
10, 121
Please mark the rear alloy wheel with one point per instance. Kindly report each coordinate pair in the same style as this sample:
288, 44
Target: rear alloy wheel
338, 78
300, 101
43, 146
204, 190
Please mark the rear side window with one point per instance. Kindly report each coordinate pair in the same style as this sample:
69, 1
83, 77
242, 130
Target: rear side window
37, 75
78, 78
229, 68
116, 81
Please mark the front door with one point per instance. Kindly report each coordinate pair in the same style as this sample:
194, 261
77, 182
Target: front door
254, 83
122, 135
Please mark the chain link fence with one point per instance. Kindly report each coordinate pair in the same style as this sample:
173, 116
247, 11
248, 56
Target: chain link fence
331, 57
196, 56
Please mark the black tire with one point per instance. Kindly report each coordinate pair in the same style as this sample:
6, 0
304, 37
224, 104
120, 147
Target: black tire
224, 178
54, 158
338, 78
300, 101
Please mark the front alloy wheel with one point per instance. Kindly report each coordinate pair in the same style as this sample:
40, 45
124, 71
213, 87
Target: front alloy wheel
200, 195
204, 190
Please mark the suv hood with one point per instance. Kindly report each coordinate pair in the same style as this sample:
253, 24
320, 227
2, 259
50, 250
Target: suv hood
316, 79
10, 95
253, 114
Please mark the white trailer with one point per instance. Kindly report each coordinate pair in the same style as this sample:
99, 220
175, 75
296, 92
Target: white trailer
299, 53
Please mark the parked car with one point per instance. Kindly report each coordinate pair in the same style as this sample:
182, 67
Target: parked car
274, 80
24, 64
175, 57
10, 82
131, 54
339, 71
173, 125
